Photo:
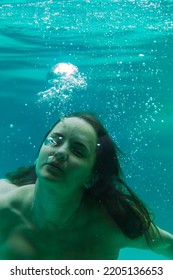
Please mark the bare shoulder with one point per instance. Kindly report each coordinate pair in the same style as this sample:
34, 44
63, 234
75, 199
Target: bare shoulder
14, 208
5, 181
14, 225
6, 186
18, 197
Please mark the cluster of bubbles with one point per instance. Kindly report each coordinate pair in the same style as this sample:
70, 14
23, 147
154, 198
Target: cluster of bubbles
64, 79
65, 83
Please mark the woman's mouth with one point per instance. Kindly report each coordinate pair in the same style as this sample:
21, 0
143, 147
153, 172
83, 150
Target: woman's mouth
55, 165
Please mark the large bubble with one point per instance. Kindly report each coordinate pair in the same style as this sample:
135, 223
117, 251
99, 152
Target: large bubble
64, 79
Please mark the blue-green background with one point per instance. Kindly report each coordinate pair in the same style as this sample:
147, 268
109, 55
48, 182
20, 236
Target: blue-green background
125, 51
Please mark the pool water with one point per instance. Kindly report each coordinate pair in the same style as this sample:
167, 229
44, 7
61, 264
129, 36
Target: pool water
122, 53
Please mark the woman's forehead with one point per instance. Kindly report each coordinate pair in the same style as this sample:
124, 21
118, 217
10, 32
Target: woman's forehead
75, 127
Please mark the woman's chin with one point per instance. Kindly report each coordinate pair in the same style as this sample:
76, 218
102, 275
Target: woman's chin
51, 173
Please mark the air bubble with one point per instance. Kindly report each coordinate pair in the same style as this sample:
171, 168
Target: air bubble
64, 80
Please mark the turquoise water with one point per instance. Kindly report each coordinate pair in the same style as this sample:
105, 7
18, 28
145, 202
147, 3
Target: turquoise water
123, 52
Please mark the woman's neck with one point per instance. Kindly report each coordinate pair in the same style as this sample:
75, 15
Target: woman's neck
54, 209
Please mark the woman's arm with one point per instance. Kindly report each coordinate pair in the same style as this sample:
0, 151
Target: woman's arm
162, 243
157, 240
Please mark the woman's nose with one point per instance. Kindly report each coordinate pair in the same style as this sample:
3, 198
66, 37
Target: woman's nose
62, 156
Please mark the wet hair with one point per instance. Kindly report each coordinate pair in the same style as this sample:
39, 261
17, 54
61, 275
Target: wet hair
110, 189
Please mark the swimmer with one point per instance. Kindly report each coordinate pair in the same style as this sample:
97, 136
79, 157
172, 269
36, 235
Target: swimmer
74, 204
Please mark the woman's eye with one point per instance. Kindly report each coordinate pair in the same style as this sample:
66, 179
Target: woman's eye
78, 153
50, 141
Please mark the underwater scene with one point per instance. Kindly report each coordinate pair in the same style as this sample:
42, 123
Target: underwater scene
113, 58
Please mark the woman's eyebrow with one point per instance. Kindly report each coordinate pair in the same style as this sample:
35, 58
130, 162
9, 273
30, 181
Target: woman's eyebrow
56, 134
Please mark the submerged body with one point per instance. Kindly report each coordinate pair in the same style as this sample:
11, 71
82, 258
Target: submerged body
58, 217
90, 233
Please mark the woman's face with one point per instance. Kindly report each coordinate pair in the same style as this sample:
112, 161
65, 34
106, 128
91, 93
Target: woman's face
68, 154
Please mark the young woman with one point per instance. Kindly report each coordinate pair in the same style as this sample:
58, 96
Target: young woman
74, 204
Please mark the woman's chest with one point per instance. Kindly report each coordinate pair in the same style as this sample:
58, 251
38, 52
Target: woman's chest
87, 242
91, 241
91, 236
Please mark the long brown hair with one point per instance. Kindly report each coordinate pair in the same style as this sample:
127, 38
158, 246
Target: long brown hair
123, 205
